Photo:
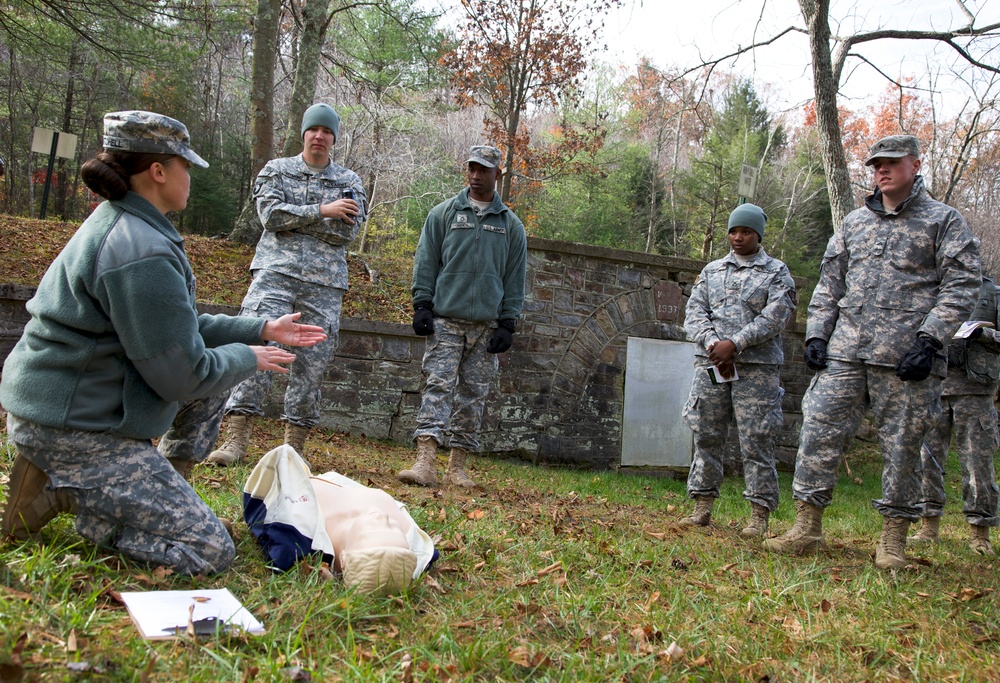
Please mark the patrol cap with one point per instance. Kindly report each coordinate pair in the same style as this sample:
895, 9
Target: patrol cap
485, 156
146, 132
894, 147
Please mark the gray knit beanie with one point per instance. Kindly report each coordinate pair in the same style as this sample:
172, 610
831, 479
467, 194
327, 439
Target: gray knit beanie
748, 216
321, 115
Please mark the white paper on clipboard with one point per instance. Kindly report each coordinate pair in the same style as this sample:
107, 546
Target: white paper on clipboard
158, 613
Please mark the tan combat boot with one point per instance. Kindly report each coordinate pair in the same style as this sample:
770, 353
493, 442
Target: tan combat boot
702, 513
234, 448
979, 540
806, 535
422, 473
758, 522
455, 474
890, 553
30, 504
295, 436
183, 467
929, 529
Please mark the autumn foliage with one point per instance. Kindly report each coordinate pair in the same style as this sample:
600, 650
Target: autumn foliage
514, 54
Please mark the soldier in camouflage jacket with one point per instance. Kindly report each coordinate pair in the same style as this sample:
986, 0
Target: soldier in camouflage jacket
897, 279
310, 208
737, 310
969, 412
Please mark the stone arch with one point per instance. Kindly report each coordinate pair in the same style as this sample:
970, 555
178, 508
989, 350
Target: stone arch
597, 344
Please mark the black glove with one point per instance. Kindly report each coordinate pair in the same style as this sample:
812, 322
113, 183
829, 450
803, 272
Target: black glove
916, 364
503, 336
815, 354
423, 319
977, 333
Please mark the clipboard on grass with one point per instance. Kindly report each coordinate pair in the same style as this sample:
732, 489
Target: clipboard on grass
167, 615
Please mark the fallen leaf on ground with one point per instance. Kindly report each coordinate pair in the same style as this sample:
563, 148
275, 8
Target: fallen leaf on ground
555, 566
521, 656
673, 653
406, 668
14, 593
429, 580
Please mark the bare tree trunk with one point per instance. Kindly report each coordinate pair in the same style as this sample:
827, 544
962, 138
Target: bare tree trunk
825, 84
508, 173
314, 23
674, 163
653, 195
265, 52
963, 157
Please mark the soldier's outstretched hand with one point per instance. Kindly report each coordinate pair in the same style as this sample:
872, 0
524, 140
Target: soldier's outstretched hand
286, 331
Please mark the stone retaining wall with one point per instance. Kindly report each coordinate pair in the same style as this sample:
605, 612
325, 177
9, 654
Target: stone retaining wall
559, 395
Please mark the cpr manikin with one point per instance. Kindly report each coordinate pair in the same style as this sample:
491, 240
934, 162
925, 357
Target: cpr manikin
369, 534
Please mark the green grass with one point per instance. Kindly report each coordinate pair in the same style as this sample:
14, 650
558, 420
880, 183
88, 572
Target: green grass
545, 575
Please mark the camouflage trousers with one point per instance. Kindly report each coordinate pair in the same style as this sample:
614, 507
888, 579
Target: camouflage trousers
270, 296
130, 498
458, 371
903, 412
973, 419
754, 400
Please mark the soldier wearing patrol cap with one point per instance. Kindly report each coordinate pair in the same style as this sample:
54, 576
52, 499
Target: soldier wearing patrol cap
311, 209
115, 354
898, 278
468, 289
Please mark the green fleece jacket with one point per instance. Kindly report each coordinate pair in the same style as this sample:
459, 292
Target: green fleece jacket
115, 342
471, 267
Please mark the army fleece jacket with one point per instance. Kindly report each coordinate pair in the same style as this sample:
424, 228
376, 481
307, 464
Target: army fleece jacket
471, 267
115, 343
887, 276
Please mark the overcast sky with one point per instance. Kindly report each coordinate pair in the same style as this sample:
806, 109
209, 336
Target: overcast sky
682, 32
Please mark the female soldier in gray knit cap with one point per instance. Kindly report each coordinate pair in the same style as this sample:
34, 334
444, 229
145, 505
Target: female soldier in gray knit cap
735, 315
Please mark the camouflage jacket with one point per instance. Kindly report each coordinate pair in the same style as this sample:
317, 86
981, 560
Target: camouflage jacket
748, 304
297, 241
886, 276
974, 364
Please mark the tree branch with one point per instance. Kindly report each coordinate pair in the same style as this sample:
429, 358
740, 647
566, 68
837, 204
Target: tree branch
844, 45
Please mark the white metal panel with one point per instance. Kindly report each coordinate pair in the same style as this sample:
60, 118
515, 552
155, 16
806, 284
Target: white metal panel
658, 376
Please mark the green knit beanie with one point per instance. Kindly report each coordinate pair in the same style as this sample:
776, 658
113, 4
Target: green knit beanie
748, 216
321, 115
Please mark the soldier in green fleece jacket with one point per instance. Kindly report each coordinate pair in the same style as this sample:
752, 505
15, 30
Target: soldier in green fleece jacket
116, 354
468, 289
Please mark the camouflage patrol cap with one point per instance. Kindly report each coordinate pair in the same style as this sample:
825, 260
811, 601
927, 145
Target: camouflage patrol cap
485, 155
146, 132
894, 147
